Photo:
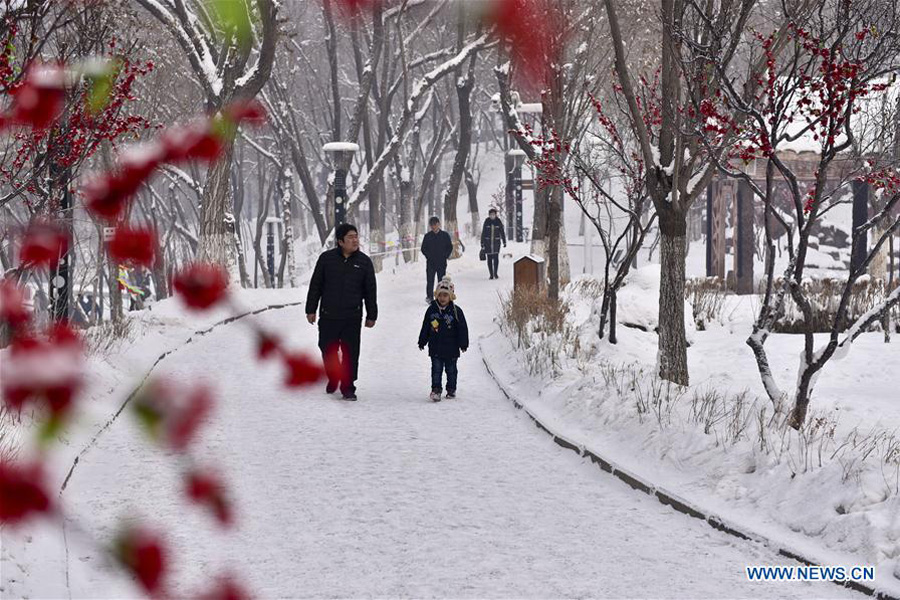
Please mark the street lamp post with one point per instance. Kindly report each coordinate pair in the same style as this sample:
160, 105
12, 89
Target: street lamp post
271, 225
514, 160
341, 154
525, 108
518, 159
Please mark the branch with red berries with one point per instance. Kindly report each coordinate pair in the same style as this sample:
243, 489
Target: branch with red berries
45, 370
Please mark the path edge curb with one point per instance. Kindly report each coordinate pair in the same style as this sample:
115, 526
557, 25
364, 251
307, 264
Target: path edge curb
196, 334
668, 498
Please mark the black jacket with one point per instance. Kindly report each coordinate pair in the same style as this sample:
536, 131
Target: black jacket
492, 233
342, 285
437, 247
444, 330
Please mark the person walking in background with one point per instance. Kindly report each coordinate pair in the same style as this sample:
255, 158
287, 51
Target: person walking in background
492, 234
437, 248
343, 280
446, 333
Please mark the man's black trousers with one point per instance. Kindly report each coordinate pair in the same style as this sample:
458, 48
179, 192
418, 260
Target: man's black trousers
339, 343
430, 271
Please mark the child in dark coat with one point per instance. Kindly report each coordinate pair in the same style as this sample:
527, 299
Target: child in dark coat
445, 331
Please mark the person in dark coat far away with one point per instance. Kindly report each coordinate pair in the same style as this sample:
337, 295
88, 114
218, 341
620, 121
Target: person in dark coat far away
437, 248
445, 331
492, 234
343, 280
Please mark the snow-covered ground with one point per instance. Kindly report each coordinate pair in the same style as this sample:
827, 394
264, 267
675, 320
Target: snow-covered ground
394, 496
831, 492
390, 496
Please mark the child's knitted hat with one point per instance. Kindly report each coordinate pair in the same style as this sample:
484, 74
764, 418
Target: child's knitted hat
445, 285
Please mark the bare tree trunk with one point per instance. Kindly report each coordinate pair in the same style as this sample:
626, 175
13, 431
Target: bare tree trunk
287, 243
539, 225
804, 393
889, 286
464, 84
562, 248
672, 346
376, 206
553, 242
239, 251
217, 223
331, 48
116, 312
612, 317
262, 213
451, 195
158, 272
434, 185
472, 192
407, 218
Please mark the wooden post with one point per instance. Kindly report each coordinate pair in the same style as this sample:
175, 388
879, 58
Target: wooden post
744, 239
860, 216
509, 169
709, 230
715, 231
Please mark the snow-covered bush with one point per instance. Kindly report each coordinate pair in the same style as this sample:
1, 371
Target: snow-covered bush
825, 297
9, 444
706, 295
102, 338
539, 326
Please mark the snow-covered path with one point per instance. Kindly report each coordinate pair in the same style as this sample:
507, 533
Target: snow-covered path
394, 495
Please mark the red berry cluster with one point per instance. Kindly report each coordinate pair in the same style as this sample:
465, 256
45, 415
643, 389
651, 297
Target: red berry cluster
45, 370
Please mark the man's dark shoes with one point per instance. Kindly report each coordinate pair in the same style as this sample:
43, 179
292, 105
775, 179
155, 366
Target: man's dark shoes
331, 387
450, 395
351, 396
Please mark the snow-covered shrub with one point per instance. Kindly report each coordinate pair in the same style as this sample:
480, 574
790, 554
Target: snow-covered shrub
739, 422
540, 328
825, 297
9, 444
102, 338
706, 295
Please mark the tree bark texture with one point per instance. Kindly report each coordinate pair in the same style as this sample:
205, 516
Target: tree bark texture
672, 336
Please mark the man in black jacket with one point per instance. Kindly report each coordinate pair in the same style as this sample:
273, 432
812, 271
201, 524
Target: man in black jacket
437, 248
344, 280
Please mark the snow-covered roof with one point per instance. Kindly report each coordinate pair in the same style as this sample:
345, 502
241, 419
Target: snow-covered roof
530, 107
537, 259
